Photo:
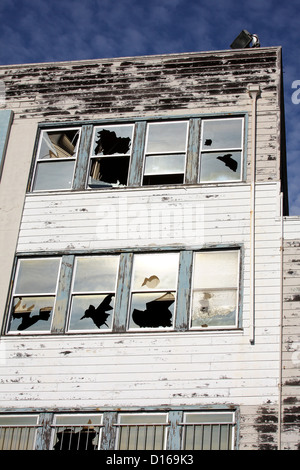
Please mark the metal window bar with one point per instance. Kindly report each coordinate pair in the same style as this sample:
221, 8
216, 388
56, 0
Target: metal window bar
17, 437
132, 434
207, 436
76, 437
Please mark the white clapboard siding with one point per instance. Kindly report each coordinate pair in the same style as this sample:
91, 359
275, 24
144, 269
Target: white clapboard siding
101, 220
187, 365
220, 367
138, 369
205, 368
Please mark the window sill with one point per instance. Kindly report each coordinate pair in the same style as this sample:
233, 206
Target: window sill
127, 334
137, 188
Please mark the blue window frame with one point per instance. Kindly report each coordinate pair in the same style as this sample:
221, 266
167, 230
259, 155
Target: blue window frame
151, 429
155, 152
117, 292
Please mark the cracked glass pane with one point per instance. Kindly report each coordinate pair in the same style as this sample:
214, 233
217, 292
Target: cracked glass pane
92, 312
152, 310
154, 288
113, 140
214, 308
222, 134
56, 159
34, 295
93, 293
77, 432
215, 289
221, 150
163, 266
31, 313
220, 166
58, 144
112, 145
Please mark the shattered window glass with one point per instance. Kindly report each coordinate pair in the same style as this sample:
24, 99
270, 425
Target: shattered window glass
77, 432
18, 432
34, 295
111, 150
56, 159
153, 293
93, 293
208, 431
142, 431
221, 150
165, 153
215, 289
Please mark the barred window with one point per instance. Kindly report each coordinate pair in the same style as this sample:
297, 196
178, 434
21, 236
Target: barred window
121, 430
77, 432
18, 432
208, 431
142, 431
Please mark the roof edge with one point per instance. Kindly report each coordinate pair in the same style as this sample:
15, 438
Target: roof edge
138, 57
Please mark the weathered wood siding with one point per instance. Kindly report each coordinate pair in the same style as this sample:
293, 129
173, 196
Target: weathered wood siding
157, 217
148, 217
291, 335
88, 372
178, 84
156, 369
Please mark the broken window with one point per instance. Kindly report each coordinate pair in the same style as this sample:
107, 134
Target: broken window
18, 432
153, 295
142, 431
56, 159
77, 432
110, 158
93, 293
221, 150
34, 295
208, 431
215, 289
165, 153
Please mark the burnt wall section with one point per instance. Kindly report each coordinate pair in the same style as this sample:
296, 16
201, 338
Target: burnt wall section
291, 347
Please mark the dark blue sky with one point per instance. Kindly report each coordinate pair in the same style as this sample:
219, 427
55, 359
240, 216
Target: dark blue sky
58, 30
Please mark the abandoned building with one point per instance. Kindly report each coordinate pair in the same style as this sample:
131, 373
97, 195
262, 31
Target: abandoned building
150, 271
